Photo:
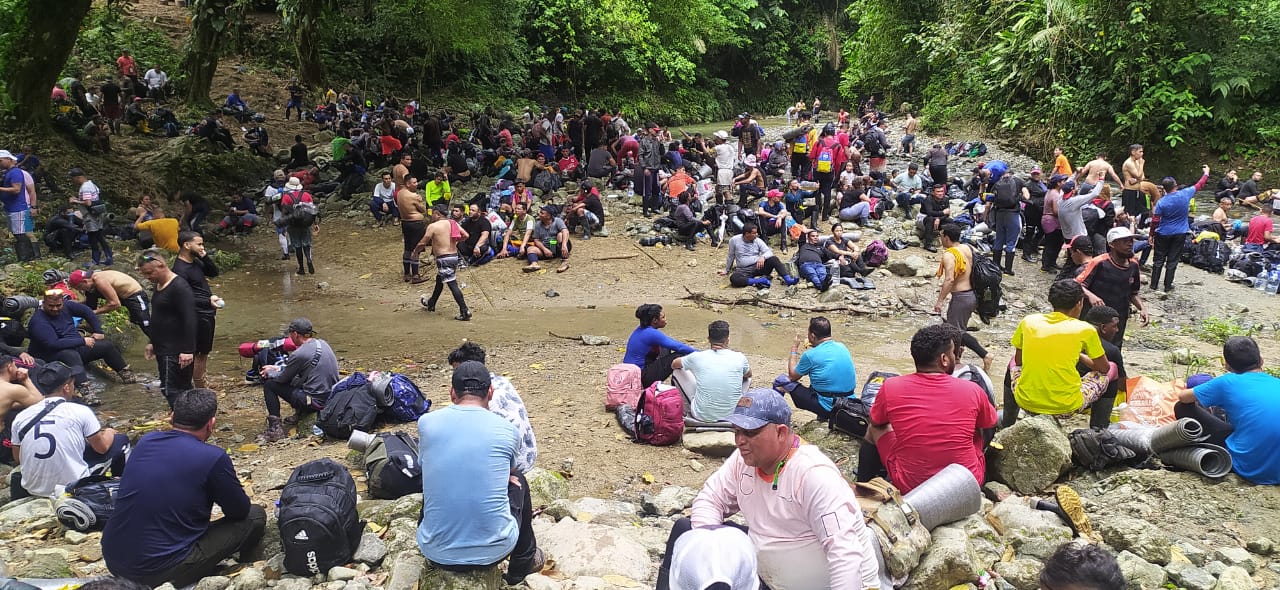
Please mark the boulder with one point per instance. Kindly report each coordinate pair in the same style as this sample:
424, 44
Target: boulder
338, 573
250, 579
438, 579
371, 551
984, 542
382, 512
1189, 576
1030, 455
1215, 568
948, 562
1137, 536
406, 570
541, 582
1235, 556
606, 512
1140, 574
214, 583
911, 266
1021, 572
586, 549
45, 566
1261, 546
545, 486
27, 514
1032, 533
293, 583
670, 500
1235, 578
835, 294
401, 535
711, 444
1194, 553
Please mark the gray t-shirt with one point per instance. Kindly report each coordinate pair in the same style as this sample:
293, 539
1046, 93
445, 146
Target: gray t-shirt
719, 374
313, 374
544, 233
1069, 216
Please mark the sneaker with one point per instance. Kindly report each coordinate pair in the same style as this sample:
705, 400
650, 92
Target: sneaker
427, 304
311, 268
463, 317
274, 431
1070, 505
513, 578
127, 376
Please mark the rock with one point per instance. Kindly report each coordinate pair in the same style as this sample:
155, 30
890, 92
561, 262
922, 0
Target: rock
1140, 574
214, 583
355, 585
911, 266
27, 514
1021, 572
541, 582
1215, 568
166, 586
383, 512
90, 552
696, 466
338, 573
401, 535
835, 294
1031, 454
273, 479
1189, 576
586, 549
250, 579
438, 579
406, 570
293, 583
1235, 578
711, 444
591, 340
44, 565
1031, 533
274, 569
670, 500
74, 537
1135, 535
606, 512
1236, 556
1194, 553
545, 486
551, 293
947, 562
984, 543
1261, 546
996, 491
371, 551
587, 583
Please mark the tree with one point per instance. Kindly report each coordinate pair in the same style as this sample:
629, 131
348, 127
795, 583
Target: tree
210, 20
303, 18
38, 51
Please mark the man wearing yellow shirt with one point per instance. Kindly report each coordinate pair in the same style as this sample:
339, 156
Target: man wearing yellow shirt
436, 190
1043, 376
164, 230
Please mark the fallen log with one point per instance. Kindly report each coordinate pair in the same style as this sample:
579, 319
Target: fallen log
823, 308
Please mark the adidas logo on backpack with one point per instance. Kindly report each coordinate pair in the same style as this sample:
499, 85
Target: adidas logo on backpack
301, 536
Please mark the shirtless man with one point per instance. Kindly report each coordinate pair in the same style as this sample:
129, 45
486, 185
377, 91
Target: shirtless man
400, 172
1095, 168
16, 389
116, 289
413, 225
444, 246
909, 134
957, 261
1134, 170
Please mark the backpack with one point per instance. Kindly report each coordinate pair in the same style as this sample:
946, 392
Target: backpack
319, 526
91, 504
391, 464
875, 254
824, 158
1211, 255
399, 397
801, 145
659, 415
850, 415
1097, 449
1007, 193
985, 277
871, 141
622, 386
546, 182
903, 539
350, 406
299, 210
871, 388
1250, 264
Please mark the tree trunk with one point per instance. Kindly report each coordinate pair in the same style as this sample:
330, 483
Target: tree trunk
208, 32
310, 68
39, 53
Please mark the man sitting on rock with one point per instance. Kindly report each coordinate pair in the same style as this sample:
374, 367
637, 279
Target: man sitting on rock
56, 337
303, 381
506, 402
828, 365
160, 531
806, 525
909, 435
476, 508
17, 390
1042, 377
719, 375
1251, 399
58, 442
750, 261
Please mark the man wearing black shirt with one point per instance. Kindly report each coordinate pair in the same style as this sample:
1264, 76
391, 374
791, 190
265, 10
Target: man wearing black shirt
295, 99
195, 267
1113, 279
111, 104
592, 130
1107, 322
477, 249
574, 129
809, 261
937, 212
1036, 190
173, 328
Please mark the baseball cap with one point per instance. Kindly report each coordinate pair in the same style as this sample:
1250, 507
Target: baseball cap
721, 135
470, 376
5, 154
758, 407
1035, 170
301, 326
51, 376
1082, 244
75, 172
715, 554
78, 277
1118, 233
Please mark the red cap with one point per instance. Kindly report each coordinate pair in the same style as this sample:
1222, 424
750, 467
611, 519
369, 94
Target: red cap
78, 277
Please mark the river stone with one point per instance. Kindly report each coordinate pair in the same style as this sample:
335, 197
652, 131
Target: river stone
371, 551
74, 537
588, 583
1021, 572
1190, 577
911, 266
1235, 578
835, 294
1031, 454
1261, 546
406, 570
984, 542
166, 586
402, 535
996, 491
1140, 574
586, 549
338, 573
250, 579
293, 583
1236, 556
590, 340
670, 500
1193, 552
541, 582
27, 514
438, 579
273, 479
1215, 568
545, 486
1031, 533
1138, 536
214, 583
711, 444
606, 512
45, 566
947, 562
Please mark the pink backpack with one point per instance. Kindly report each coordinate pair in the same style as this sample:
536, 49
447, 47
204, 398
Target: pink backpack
622, 386
660, 415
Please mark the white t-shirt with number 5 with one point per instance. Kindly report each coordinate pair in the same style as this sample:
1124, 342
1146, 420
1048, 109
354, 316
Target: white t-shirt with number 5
52, 452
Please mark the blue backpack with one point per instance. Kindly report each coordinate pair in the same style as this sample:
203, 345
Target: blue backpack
399, 398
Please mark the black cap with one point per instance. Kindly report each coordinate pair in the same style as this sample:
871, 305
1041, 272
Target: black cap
471, 377
50, 377
75, 172
302, 326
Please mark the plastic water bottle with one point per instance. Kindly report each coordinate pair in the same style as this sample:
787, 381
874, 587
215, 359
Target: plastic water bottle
1260, 281
1273, 283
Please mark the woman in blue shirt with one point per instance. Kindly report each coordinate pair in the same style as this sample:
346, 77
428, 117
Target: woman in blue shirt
650, 349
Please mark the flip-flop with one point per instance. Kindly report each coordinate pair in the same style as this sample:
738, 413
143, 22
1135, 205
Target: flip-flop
563, 267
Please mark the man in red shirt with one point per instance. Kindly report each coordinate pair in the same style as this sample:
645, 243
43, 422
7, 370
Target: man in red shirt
1261, 234
922, 422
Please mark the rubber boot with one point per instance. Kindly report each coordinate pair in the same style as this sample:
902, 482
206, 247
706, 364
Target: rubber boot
1008, 263
997, 257
23, 248
274, 431
789, 280
759, 282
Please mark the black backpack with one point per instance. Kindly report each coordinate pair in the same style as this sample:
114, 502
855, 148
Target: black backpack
985, 277
391, 463
1096, 449
1211, 255
351, 406
871, 141
319, 526
1007, 190
1250, 264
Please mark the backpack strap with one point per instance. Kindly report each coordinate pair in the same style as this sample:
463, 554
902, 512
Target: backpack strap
32, 424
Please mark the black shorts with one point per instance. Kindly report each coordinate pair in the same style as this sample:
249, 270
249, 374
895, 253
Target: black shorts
412, 232
139, 307
205, 323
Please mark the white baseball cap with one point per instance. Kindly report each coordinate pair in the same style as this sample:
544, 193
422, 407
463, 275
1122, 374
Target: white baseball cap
1118, 233
6, 154
704, 556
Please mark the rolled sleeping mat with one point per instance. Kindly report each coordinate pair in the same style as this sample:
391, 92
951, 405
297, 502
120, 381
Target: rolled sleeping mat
1205, 459
948, 496
1184, 432
1137, 440
797, 132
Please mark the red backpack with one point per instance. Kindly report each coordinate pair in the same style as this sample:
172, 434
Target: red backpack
660, 415
622, 386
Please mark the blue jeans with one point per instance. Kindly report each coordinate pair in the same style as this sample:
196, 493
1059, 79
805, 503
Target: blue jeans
814, 272
1008, 226
907, 200
375, 206
859, 212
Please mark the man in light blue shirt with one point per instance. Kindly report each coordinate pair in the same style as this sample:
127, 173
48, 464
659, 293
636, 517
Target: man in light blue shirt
719, 376
476, 507
828, 365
